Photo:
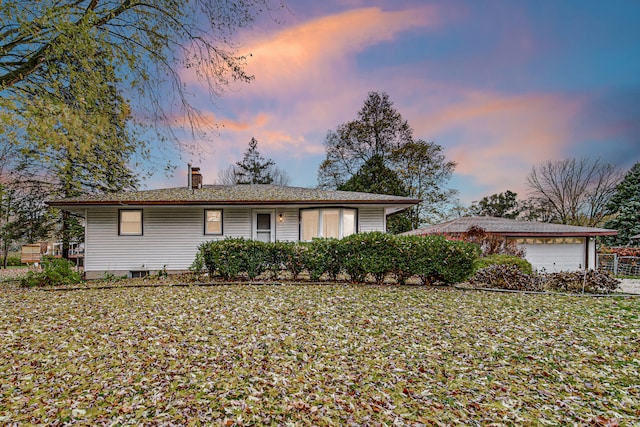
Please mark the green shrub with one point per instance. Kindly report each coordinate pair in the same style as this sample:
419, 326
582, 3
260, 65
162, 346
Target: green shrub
422, 255
437, 260
407, 262
13, 261
369, 253
456, 261
294, 257
255, 259
501, 259
233, 256
276, 255
55, 272
324, 256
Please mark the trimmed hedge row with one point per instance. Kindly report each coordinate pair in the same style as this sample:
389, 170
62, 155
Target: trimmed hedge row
433, 259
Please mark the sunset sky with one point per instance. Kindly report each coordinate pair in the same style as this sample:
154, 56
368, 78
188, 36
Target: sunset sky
500, 85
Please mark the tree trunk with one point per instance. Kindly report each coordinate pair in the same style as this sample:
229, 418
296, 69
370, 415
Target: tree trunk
65, 234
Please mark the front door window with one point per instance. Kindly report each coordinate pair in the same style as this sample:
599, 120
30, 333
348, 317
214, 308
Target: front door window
263, 227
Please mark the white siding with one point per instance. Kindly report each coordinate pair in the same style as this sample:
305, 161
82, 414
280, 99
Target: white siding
371, 219
236, 222
289, 229
171, 236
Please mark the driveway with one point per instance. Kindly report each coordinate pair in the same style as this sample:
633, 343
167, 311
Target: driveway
631, 286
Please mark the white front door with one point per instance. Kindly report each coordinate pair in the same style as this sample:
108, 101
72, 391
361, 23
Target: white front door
264, 225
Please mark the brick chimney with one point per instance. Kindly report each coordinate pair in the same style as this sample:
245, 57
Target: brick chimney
195, 178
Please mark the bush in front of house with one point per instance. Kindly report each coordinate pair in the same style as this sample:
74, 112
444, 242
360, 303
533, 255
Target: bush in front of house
233, 256
374, 254
55, 272
437, 259
433, 259
456, 261
503, 259
323, 256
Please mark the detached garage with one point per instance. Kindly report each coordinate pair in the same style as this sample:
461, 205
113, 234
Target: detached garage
552, 247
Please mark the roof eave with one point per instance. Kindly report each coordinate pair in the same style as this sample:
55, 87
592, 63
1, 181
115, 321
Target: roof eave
62, 204
536, 233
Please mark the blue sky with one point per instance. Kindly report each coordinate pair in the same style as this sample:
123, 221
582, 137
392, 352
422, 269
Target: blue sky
502, 86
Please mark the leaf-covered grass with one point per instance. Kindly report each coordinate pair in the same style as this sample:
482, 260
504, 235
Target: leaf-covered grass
316, 355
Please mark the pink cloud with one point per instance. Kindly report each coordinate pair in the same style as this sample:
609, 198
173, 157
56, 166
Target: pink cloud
307, 56
499, 137
307, 82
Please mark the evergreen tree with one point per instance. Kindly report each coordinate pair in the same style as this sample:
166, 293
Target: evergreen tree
375, 177
253, 169
624, 205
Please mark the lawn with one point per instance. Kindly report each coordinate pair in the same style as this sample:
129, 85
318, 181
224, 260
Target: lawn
316, 355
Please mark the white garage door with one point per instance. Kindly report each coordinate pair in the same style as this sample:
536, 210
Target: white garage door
556, 257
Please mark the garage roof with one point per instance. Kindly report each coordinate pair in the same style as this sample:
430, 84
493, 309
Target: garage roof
511, 227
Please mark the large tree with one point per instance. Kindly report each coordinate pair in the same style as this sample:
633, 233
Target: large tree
380, 133
425, 172
253, 169
576, 191
624, 206
74, 74
500, 205
97, 155
48, 45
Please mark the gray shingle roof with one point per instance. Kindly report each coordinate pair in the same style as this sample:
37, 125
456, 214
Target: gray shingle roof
511, 227
234, 195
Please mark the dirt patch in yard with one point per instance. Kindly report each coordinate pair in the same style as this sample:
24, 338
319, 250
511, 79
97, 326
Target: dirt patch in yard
12, 273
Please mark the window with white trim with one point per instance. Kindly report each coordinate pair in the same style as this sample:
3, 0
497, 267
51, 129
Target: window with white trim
130, 222
327, 222
213, 221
